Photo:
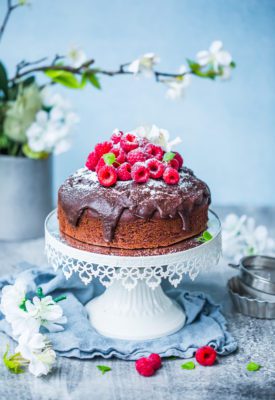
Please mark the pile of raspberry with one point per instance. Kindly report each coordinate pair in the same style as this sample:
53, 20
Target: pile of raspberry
128, 157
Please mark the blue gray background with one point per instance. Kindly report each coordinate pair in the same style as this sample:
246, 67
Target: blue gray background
227, 129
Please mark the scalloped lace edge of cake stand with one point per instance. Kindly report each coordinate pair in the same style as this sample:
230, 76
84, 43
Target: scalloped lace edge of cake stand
129, 276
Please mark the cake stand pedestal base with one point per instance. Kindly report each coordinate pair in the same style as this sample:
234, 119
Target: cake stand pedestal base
138, 314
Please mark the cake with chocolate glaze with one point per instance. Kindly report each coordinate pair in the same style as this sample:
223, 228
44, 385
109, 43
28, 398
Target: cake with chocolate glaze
132, 195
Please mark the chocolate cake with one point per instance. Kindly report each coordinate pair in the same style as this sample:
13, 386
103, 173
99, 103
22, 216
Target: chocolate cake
133, 213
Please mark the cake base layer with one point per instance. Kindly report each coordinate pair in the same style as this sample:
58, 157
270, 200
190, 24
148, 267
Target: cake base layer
134, 234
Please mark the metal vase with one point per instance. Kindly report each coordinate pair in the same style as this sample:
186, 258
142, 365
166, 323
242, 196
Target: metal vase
25, 197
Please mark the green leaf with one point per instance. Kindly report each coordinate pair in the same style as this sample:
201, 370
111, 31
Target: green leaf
4, 142
205, 237
60, 298
22, 306
188, 365
93, 79
197, 70
3, 80
252, 366
168, 156
14, 363
103, 368
40, 155
64, 78
172, 358
233, 64
193, 65
109, 158
40, 293
29, 81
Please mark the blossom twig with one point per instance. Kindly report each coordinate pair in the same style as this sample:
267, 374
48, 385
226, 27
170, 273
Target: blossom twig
120, 71
10, 8
54, 67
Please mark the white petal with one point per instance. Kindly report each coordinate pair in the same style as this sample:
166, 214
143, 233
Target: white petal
203, 57
216, 46
42, 118
62, 147
183, 69
224, 58
134, 66
38, 368
226, 73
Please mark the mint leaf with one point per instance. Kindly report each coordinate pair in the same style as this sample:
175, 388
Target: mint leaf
252, 366
205, 237
103, 368
188, 365
168, 156
109, 158
14, 363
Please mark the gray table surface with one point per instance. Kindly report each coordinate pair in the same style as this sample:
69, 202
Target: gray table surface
228, 379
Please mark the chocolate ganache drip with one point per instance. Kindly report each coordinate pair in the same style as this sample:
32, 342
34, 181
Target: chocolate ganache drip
154, 199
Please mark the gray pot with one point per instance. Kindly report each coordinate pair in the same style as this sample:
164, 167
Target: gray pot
25, 197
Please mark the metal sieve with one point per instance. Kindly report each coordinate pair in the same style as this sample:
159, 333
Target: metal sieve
258, 272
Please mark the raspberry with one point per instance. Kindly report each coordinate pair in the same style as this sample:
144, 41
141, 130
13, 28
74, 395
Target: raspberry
116, 136
174, 163
154, 151
144, 367
143, 142
171, 176
100, 164
120, 155
156, 168
140, 173
124, 172
129, 142
135, 156
103, 148
155, 361
107, 175
179, 158
206, 355
92, 161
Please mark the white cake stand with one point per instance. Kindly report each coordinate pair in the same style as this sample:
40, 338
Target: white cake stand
133, 306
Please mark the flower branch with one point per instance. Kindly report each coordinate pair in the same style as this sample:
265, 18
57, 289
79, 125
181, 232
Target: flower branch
10, 8
44, 68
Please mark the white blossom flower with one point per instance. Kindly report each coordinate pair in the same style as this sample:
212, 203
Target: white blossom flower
176, 86
77, 56
156, 135
37, 350
12, 297
256, 238
144, 64
216, 57
241, 237
50, 132
47, 313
